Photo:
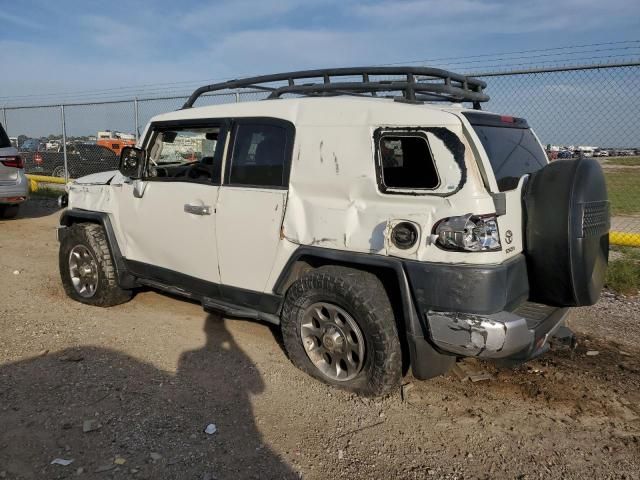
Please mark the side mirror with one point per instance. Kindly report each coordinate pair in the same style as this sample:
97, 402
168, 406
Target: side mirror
132, 162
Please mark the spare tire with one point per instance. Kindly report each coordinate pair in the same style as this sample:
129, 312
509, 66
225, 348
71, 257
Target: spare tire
567, 232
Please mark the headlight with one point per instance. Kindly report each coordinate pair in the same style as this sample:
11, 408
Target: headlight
469, 233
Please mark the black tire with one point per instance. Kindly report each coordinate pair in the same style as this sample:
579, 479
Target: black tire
361, 295
92, 236
8, 212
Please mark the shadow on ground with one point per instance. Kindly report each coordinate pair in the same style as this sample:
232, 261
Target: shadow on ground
35, 207
137, 410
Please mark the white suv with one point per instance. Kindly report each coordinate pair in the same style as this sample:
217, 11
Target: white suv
380, 233
14, 185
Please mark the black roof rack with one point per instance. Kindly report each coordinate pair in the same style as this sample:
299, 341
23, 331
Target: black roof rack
415, 84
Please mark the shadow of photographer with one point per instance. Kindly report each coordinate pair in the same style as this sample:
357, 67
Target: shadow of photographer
134, 409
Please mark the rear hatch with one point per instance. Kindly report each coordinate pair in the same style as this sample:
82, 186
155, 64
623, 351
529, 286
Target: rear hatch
10, 162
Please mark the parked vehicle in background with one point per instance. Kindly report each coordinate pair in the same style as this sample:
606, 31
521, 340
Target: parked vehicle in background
82, 159
53, 145
14, 186
115, 144
565, 154
31, 145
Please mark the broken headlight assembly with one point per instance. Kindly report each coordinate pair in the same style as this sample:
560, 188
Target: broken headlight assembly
468, 233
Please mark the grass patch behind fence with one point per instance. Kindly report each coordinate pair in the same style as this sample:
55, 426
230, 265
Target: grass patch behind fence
624, 191
623, 274
625, 161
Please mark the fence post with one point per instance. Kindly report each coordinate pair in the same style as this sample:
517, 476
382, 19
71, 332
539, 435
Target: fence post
135, 111
4, 119
237, 97
64, 144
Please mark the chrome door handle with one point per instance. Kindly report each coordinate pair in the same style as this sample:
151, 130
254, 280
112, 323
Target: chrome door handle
197, 209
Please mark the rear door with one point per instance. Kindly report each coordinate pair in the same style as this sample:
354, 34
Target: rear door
251, 204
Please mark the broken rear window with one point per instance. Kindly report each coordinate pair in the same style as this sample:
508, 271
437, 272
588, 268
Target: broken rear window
406, 162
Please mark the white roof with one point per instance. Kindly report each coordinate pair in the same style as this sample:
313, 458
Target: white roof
341, 110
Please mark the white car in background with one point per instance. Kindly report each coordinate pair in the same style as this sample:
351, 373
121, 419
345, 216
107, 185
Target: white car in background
14, 186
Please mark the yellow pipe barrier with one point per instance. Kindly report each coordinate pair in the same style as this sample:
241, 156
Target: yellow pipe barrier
624, 239
34, 180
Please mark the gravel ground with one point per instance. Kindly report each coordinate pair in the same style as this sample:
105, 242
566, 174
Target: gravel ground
147, 377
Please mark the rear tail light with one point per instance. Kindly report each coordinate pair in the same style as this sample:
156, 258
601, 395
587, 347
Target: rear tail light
37, 158
14, 161
468, 233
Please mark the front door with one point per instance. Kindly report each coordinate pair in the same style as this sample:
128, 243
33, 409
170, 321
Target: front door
169, 217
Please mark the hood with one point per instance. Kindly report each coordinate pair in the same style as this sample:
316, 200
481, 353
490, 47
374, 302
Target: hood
101, 178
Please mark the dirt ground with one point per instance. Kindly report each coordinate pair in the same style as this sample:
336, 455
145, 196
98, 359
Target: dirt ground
147, 377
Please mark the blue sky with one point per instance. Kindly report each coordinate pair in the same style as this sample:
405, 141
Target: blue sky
78, 46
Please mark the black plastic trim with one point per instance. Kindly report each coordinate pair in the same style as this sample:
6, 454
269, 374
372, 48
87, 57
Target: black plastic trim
199, 289
359, 259
472, 289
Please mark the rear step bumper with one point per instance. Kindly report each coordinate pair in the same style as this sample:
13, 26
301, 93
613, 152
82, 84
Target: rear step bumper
517, 335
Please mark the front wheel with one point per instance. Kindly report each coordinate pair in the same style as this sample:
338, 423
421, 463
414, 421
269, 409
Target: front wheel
86, 267
338, 326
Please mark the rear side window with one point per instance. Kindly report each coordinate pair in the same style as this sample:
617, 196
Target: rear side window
259, 156
406, 162
511, 146
4, 139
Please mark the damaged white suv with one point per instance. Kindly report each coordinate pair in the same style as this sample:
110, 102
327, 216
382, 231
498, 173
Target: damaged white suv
381, 230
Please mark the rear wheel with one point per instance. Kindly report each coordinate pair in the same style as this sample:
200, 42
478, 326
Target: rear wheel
9, 211
338, 326
86, 267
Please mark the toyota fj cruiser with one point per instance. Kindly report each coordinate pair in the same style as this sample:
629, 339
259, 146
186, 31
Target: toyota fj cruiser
380, 232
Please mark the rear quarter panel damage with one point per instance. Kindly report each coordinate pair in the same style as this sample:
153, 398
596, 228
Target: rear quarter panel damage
334, 201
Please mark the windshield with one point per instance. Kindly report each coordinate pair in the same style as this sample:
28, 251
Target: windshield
511, 146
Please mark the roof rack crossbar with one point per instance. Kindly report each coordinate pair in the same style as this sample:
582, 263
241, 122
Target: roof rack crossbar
416, 80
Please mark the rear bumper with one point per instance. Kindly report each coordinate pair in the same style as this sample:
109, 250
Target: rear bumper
519, 334
16, 192
482, 310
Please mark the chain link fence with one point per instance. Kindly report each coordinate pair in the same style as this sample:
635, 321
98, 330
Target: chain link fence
590, 110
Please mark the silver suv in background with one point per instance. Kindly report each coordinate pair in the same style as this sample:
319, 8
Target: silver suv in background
14, 186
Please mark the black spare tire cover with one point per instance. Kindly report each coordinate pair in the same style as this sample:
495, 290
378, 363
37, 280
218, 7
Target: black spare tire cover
567, 232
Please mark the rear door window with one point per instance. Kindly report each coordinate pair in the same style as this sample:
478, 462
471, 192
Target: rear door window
511, 146
261, 154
